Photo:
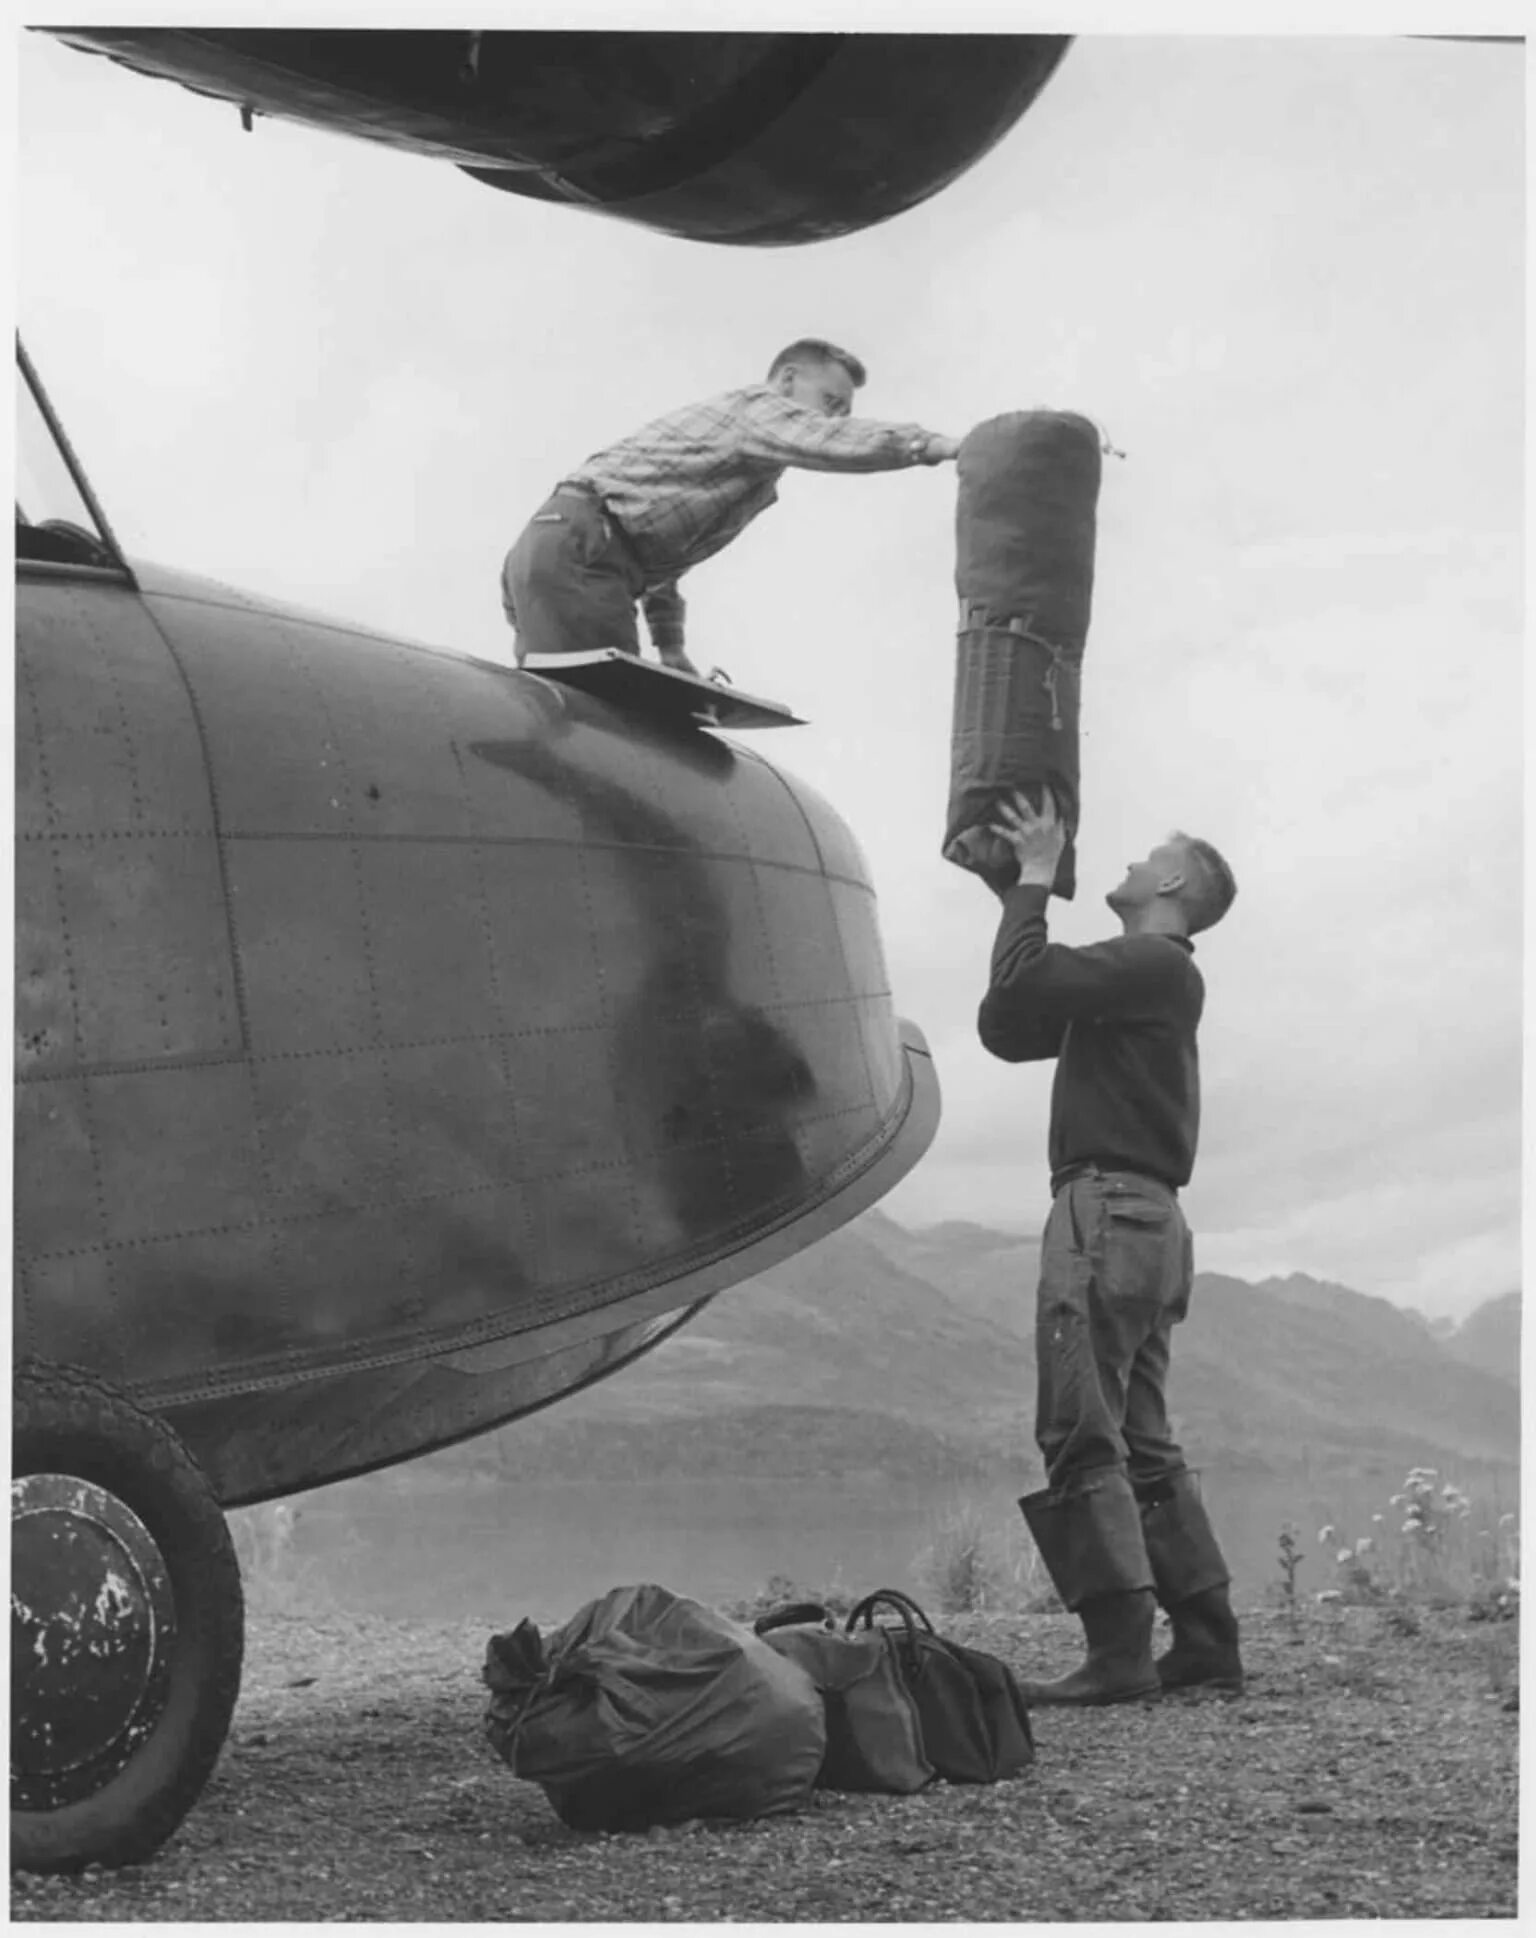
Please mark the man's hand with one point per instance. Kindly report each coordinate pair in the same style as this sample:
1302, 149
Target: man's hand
940, 449
1036, 838
678, 660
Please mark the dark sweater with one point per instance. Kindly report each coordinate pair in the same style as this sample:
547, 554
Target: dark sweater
1120, 1019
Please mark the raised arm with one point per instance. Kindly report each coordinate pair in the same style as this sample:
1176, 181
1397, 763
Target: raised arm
1038, 986
780, 431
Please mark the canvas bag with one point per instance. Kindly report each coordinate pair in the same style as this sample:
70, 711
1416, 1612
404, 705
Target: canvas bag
648, 1708
1025, 533
974, 1719
874, 1738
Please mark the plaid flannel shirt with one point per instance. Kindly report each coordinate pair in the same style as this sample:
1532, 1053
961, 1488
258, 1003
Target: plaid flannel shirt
685, 485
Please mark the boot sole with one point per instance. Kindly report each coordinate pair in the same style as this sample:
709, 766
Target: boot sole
1149, 1692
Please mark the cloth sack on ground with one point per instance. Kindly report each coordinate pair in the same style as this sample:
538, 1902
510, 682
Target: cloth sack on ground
972, 1711
1025, 530
648, 1708
874, 1738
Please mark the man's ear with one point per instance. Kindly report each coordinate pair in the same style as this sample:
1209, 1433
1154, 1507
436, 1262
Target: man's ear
785, 377
1171, 884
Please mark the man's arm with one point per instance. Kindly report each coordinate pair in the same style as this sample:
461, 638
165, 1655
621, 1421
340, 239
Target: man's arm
1012, 1030
1038, 987
664, 607
778, 431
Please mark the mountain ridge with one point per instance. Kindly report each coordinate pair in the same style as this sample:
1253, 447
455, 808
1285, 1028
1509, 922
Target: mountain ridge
884, 1350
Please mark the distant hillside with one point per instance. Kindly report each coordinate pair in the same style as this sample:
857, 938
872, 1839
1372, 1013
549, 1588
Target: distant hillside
1489, 1338
910, 1354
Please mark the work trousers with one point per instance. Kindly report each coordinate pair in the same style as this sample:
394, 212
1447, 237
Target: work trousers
569, 583
1115, 1272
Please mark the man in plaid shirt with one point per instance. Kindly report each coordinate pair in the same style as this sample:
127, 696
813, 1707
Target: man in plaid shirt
624, 527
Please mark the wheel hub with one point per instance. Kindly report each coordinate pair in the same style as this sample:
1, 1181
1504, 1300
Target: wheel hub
93, 1616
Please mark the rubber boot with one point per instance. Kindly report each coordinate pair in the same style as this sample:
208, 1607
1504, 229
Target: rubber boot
1090, 1541
1191, 1578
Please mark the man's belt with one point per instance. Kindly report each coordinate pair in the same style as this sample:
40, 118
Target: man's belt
1091, 1168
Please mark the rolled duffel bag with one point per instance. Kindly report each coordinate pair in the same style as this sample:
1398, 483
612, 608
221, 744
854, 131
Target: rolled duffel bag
1024, 554
974, 1720
874, 1739
649, 1708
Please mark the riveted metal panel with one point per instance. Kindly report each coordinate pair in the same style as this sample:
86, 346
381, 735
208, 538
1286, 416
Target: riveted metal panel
106, 740
540, 912
657, 921
359, 1274
461, 1129
195, 1300
838, 852
828, 1038
858, 929
328, 1125
581, 1231
431, 963
47, 1004
143, 925
563, 1104
479, 1242
882, 1050
58, 1202
316, 730
297, 912
768, 809
799, 906
824, 1142
68, 1308
177, 1149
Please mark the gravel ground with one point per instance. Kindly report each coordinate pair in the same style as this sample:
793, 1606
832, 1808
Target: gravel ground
1367, 1772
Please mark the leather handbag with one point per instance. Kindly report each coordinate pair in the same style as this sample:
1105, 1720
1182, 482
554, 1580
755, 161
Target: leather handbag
975, 1724
874, 1737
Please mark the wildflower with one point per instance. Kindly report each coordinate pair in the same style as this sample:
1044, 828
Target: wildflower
1324, 1536
1345, 1554
1377, 1519
1329, 1595
1412, 1527
1364, 1544
1505, 1519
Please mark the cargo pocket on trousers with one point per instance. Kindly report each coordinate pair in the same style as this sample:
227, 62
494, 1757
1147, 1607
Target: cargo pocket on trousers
1137, 1242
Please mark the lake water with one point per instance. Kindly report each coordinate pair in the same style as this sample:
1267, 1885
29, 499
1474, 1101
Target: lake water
413, 1546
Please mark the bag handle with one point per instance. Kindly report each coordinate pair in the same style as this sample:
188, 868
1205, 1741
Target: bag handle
792, 1615
904, 1606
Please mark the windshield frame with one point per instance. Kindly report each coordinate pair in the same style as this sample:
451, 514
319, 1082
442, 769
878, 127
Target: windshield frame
118, 564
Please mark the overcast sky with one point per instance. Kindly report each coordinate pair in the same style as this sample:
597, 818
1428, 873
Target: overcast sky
1286, 275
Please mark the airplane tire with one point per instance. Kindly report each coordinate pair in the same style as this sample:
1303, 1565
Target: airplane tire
127, 1626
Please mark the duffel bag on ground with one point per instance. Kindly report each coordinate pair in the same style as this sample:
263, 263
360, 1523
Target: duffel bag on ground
974, 1720
874, 1738
647, 1708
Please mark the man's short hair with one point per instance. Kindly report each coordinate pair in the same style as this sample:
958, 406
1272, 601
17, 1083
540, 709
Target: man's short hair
815, 349
1212, 887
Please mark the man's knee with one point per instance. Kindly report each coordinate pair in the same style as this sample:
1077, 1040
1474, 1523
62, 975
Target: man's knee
1154, 1475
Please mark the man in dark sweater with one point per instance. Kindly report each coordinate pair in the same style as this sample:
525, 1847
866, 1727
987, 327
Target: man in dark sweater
1119, 1524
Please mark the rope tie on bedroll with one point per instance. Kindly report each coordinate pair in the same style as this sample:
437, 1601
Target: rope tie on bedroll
1024, 555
